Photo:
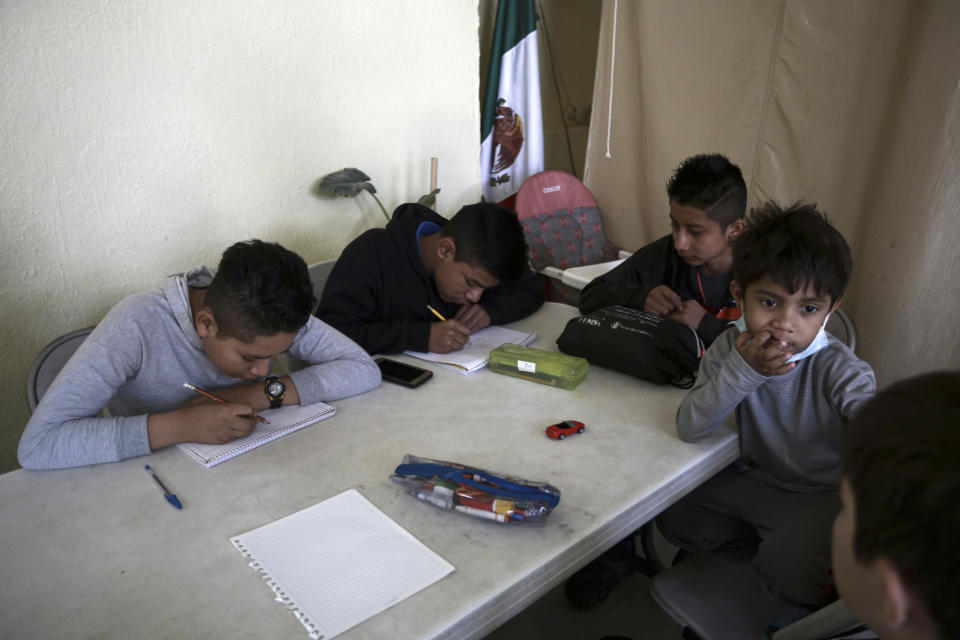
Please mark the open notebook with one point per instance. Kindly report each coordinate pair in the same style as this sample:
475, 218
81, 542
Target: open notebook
475, 355
284, 420
339, 562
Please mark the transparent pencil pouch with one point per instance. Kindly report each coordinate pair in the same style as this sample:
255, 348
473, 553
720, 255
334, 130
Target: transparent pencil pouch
476, 492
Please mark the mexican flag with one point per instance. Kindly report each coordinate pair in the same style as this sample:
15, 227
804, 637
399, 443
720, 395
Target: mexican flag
511, 124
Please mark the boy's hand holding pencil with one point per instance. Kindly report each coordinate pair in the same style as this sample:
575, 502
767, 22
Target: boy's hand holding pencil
446, 335
215, 423
218, 399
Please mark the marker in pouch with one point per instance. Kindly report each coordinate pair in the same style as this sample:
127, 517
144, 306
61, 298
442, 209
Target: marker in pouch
444, 502
481, 513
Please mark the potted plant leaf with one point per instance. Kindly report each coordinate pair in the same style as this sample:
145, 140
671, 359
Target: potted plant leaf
350, 182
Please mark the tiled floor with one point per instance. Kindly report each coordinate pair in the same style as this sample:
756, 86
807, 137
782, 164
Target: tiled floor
628, 611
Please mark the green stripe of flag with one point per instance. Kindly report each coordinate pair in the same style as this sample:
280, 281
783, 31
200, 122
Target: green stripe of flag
515, 20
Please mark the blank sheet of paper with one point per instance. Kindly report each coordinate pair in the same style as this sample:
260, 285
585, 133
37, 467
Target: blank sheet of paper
339, 562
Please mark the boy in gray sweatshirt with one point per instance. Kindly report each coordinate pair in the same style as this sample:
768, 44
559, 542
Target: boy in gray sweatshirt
792, 387
218, 332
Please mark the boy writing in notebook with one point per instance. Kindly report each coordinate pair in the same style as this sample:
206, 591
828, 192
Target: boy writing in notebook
895, 553
219, 332
471, 270
685, 276
792, 388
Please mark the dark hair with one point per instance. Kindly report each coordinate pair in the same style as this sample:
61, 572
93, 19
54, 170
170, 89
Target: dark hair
490, 236
795, 247
711, 183
901, 457
260, 289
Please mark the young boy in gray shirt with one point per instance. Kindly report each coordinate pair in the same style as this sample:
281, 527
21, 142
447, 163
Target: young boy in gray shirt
792, 387
218, 332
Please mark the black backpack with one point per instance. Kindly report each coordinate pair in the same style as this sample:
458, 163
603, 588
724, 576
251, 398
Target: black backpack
641, 344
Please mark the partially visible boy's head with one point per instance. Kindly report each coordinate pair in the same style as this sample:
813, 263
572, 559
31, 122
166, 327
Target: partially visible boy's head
895, 549
708, 198
260, 289
260, 297
483, 246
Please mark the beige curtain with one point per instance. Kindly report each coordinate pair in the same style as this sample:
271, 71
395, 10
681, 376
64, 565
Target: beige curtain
852, 105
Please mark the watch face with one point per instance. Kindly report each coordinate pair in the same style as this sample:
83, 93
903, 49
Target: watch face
275, 388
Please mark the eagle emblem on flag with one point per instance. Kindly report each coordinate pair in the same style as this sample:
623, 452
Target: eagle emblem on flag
507, 135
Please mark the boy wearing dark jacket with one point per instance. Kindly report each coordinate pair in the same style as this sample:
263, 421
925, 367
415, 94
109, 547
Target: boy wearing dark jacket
471, 269
685, 276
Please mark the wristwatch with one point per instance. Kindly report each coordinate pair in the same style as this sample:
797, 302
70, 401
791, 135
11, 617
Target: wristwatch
274, 390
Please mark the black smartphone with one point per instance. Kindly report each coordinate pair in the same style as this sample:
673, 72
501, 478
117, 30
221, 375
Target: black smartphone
402, 373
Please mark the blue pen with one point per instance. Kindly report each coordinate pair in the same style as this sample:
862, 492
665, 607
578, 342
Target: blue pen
172, 499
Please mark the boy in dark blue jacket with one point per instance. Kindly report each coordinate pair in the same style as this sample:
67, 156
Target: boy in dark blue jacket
472, 269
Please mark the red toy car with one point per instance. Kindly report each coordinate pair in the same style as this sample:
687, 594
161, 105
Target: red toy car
563, 429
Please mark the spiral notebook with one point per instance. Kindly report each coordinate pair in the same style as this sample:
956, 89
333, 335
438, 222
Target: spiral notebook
339, 562
282, 421
475, 355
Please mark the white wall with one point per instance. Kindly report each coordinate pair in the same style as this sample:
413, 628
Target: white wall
140, 138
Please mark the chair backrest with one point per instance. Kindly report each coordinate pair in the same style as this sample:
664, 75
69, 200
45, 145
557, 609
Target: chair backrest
549, 191
49, 362
319, 271
832, 621
286, 363
716, 598
842, 327
561, 222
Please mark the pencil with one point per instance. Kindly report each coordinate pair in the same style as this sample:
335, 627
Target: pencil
436, 313
218, 399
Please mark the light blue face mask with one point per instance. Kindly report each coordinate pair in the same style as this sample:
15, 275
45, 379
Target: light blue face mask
819, 341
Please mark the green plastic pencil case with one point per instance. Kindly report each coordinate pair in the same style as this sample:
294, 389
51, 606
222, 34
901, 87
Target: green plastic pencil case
546, 367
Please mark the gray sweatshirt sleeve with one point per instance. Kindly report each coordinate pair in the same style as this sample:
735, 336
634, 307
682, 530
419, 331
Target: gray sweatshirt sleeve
65, 431
850, 383
137, 360
725, 379
339, 366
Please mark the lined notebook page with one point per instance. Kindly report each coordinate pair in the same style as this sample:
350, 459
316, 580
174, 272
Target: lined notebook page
283, 420
339, 562
475, 355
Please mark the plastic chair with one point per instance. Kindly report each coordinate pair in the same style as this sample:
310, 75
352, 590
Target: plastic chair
562, 225
49, 362
842, 327
286, 363
319, 272
713, 598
